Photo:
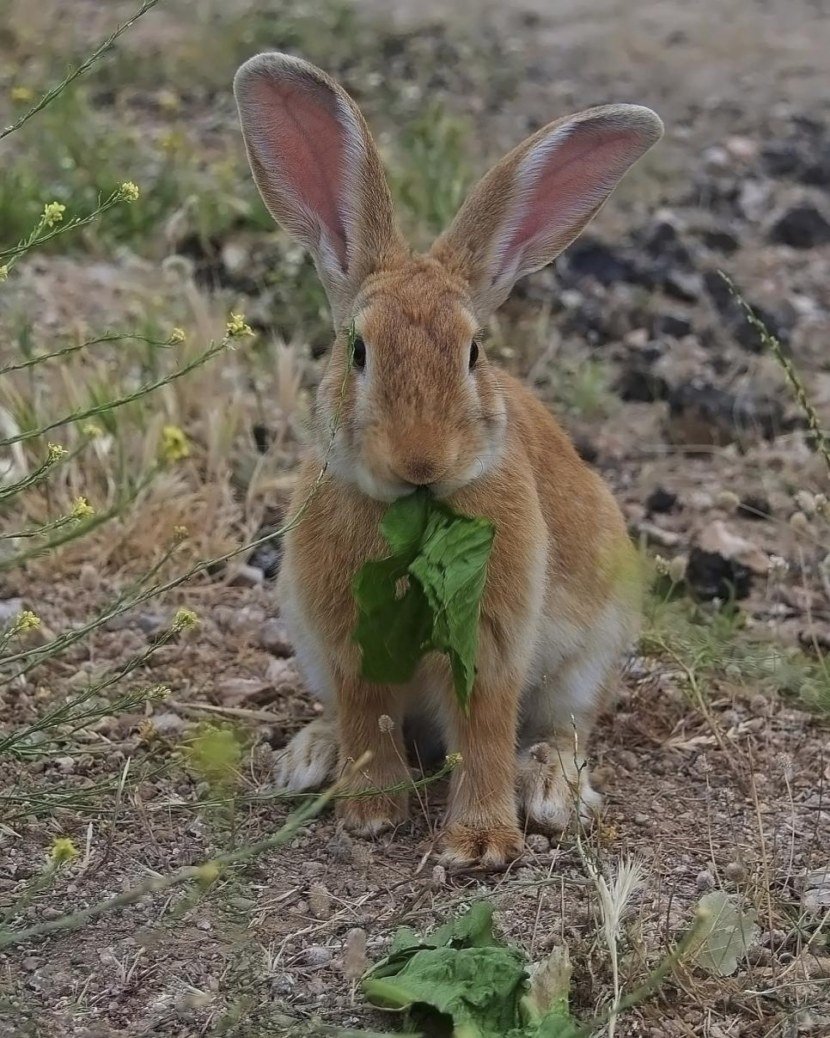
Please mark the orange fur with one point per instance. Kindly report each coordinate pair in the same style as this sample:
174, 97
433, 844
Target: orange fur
559, 605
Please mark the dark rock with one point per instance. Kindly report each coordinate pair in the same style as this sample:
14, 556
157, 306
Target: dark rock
585, 449
686, 285
701, 415
801, 227
782, 159
591, 257
779, 321
268, 556
817, 170
709, 575
263, 437
720, 239
662, 240
755, 506
638, 382
660, 501
673, 325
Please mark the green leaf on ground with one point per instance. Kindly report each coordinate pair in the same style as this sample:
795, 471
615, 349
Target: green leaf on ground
425, 596
463, 972
726, 935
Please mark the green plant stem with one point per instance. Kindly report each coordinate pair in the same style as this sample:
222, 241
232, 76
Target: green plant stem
187, 874
652, 983
789, 369
35, 239
68, 350
85, 65
111, 405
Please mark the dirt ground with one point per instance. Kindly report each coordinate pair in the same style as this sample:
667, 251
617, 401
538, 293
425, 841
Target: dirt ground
714, 762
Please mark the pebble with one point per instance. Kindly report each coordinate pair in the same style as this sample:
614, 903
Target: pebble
735, 872
317, 955
538, 843
705, 880
273, 637
801, 227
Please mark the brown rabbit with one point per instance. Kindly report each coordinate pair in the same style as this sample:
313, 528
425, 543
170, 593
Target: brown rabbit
423, 406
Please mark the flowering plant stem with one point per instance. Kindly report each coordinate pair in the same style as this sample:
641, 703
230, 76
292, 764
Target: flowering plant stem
206, 872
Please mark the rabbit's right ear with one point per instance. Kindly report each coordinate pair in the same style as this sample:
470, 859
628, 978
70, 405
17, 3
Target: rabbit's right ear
317, 169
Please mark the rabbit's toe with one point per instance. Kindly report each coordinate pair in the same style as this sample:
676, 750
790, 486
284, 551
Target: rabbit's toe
490, 847
309, 760
552, 788
369, 816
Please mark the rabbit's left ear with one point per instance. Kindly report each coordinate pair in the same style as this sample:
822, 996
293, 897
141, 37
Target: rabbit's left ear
317, 169
533, 203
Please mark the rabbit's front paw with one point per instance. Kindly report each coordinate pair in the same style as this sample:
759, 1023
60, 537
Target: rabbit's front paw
470, 845
309, 760
552, 786
369, 816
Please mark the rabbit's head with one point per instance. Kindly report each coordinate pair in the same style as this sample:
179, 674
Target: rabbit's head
408, 388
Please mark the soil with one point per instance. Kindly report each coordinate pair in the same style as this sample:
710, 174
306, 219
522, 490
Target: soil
718, 783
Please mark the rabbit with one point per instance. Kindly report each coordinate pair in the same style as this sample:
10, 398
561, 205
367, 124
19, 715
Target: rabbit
422, 405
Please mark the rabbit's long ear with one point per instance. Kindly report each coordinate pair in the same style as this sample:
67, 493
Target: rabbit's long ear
533, 203
317, 169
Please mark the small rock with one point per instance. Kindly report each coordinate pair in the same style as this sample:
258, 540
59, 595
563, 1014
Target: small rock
244, 691
341, 847
735, 872
685, 285
273, 637
709, 575
801, 227
65, 764
705, 880
591, 257
660, 501
268, 556
642, 820
317, 955
638, 382
717, 538
439, 876
169, 723
537, 843
10, 608
720, 239
672, 325
282, 676
701, 415
244, 575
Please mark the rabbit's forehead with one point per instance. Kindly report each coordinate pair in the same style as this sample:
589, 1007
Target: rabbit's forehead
394, 319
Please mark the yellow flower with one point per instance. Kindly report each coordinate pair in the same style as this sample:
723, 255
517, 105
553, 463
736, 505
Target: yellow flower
158, 693
177, 336
183, 619
22, 94
81, 509
63, 849
128, 192
54, 452
180, 533
25, 621
4, 272
92, 430
52, 213
237, 327
174, 445
208, 873
454, 760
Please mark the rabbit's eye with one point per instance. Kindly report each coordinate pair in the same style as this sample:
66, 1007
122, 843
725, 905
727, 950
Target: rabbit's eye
473, 354
359, 353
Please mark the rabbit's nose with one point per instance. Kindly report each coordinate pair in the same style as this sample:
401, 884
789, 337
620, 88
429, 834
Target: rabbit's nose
421, 472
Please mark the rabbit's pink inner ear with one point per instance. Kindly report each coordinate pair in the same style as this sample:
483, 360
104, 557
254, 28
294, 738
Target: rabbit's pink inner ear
302, 141
559, 185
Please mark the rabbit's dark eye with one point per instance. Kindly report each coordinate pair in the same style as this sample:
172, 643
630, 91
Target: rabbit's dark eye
359, 353
473, 354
